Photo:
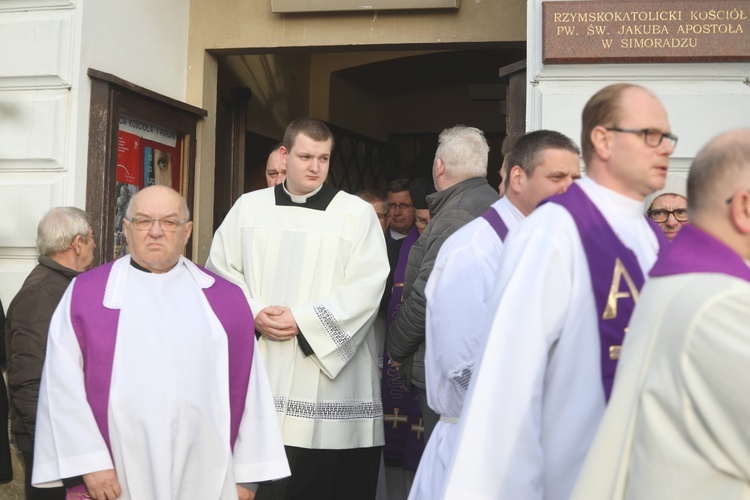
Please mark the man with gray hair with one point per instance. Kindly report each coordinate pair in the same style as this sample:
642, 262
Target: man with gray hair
676, 426
65, 242
459, 172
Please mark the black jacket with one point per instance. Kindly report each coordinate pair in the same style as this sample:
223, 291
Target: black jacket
26, 327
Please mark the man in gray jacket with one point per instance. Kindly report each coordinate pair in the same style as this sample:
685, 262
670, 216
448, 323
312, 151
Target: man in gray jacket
459, 171
65, 242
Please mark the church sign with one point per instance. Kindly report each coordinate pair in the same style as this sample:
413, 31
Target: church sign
645, 31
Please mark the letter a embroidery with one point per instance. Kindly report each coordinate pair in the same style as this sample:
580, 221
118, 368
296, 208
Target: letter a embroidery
610, 311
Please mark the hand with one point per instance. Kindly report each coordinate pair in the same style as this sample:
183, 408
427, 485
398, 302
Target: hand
102, 485
392, 362
244, 493
277, 323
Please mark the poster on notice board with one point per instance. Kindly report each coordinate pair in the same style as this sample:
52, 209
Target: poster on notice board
147, 154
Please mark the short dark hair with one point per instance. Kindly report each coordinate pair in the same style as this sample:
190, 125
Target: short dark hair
509, 142
398, 185
313, 128
372, 196
528, 150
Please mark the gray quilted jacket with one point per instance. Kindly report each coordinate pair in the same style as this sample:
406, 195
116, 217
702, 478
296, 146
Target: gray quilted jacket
450, 209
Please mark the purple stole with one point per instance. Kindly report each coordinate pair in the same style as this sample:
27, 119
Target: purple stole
616, 277
402, 416
398, 276
695, 251
496, 222
95, 327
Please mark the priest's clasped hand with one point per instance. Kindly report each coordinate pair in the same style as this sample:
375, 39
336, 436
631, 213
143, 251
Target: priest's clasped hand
276, 323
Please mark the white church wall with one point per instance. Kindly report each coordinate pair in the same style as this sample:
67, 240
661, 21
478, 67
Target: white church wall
702, 99
47, 48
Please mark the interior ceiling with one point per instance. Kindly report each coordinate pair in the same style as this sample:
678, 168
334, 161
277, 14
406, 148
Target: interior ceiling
475, 66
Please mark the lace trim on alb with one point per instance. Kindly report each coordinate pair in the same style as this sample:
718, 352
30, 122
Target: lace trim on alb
329, 410
345, 345
461, 378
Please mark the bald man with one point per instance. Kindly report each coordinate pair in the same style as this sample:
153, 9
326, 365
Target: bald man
275, 168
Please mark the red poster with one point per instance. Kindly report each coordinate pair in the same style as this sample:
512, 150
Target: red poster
129, 159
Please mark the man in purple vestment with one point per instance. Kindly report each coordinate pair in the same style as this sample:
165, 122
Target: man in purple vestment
152, 387
404, 423
676, 426
401, 220
568, 279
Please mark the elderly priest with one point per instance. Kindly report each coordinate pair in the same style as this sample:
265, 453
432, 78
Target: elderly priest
152, 386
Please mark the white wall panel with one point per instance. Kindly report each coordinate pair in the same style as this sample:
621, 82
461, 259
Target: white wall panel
698, 110
24, 198
36, 49
26, 5
33, 128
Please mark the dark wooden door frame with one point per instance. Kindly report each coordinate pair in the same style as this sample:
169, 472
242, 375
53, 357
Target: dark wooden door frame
110, 97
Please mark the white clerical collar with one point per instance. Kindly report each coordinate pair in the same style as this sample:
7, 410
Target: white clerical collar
303, 198
396, 236
605, 196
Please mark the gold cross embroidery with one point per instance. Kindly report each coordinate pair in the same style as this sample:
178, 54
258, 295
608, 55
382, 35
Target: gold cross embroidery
418, 428
396, 418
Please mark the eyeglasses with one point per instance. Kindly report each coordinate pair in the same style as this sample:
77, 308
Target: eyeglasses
400, 206
421, 221
382, 216
660, 215
145, 223
651, 136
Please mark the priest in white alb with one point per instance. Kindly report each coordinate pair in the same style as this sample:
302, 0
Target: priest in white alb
313, 263
541, 164
677, 424
152, 384
568, 280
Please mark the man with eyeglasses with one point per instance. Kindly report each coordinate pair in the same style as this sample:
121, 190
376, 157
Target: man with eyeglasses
153, 386
400, 236
401, 209
668, 206
403, 446
541, 164
401, 233
459, 173
568, 279
419, 190
676, 426
379, 203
